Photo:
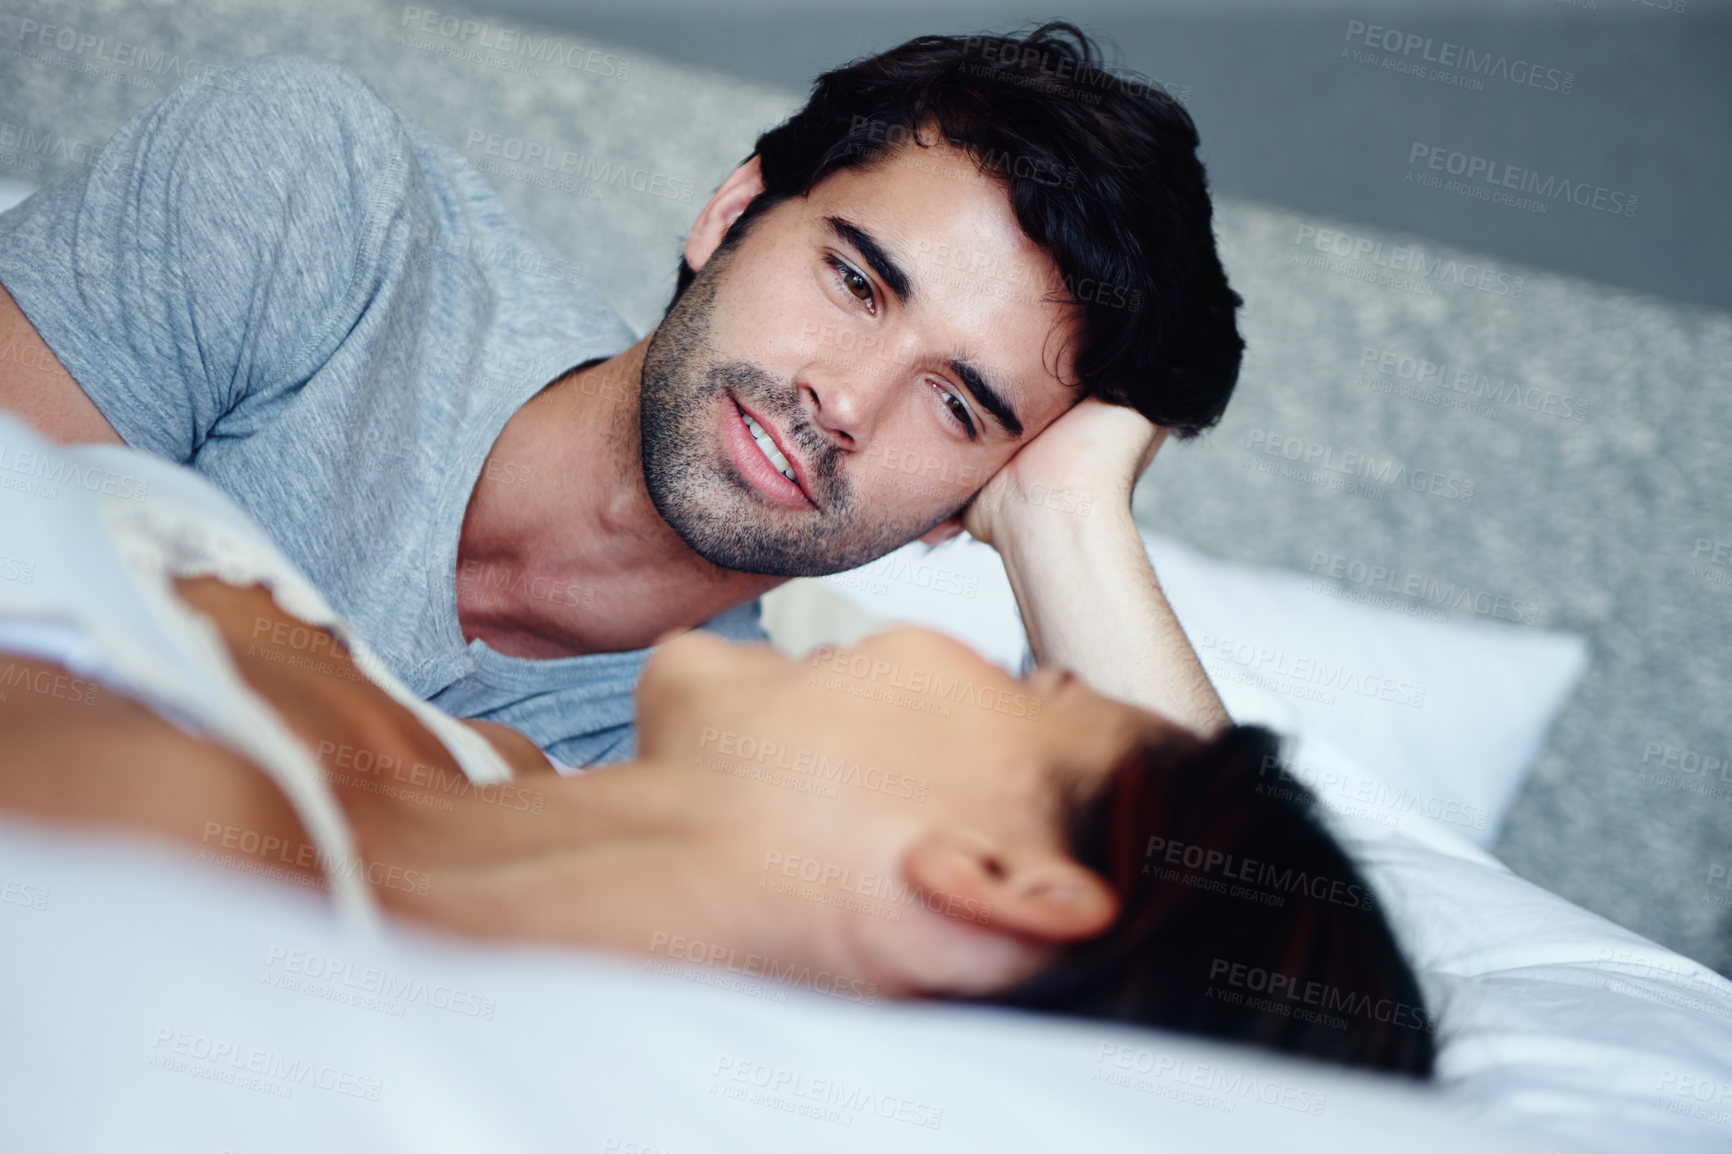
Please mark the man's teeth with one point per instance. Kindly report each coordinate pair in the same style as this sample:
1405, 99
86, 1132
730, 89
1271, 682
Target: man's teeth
768, 447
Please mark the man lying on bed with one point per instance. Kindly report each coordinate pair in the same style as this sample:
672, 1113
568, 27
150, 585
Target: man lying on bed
1077, 855
315, 302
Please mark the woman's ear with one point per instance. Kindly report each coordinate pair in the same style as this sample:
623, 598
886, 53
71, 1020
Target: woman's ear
1032, 891
723, 208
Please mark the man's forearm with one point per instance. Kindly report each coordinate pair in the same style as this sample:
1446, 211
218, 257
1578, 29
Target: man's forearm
1092, 603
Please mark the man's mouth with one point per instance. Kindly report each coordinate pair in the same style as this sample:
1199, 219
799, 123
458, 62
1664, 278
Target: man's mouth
765, 443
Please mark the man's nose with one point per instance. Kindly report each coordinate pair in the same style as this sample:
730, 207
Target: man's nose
849, 391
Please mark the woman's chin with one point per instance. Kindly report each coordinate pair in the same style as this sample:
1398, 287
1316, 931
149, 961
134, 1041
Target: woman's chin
956, 959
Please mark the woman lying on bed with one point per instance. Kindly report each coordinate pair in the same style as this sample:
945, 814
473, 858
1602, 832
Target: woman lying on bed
1032, 844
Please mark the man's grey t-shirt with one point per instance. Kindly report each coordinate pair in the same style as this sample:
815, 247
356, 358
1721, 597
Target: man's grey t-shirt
291, 286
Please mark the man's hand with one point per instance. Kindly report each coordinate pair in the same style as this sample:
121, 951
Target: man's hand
1059, 515
1087, 459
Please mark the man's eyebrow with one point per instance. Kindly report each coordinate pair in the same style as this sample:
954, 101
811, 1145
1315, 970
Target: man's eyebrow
896, 280
988, 397
873, 254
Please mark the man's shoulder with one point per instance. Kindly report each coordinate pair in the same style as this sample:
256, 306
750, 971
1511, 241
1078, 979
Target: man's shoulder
309, 105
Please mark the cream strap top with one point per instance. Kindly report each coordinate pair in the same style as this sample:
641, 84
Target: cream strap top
109, 530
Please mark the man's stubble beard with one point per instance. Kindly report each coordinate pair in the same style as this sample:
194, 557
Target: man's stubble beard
696, 487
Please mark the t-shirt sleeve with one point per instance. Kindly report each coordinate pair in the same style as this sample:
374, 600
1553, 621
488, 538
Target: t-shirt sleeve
216, 251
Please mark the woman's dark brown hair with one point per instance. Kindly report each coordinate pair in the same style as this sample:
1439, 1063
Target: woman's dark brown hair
1241, 917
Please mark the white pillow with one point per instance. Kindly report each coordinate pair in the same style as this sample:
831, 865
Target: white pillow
1445, 717
1551, 1018
1442, 718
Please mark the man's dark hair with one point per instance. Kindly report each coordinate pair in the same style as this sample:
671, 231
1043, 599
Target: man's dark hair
1102, 173
1240, 918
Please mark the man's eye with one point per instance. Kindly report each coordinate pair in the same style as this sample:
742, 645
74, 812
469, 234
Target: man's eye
856, 285
959, 411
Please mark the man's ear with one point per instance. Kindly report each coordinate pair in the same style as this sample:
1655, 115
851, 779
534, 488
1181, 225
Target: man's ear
1032, 891
723, 208
942, 532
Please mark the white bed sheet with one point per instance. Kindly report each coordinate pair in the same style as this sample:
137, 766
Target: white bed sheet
1559, 1032
134, 950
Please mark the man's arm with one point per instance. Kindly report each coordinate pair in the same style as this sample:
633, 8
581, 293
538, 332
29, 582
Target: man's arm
188, 280
1059, 514
36, 386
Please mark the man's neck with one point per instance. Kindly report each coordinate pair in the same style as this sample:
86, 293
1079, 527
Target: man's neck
562, 552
